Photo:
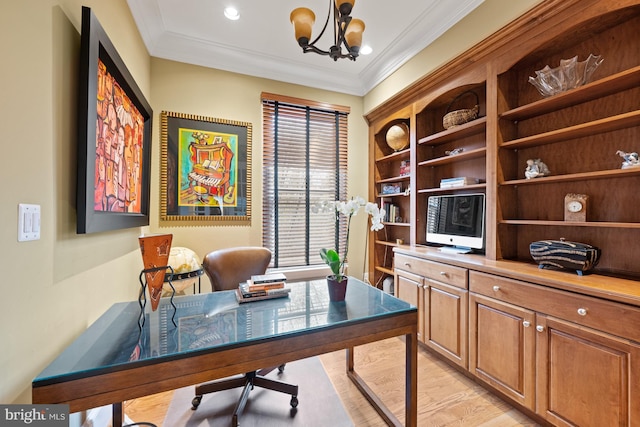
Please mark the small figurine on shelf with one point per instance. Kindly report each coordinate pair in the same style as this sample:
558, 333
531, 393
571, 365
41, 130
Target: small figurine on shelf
535, 169
631, 160
454, 151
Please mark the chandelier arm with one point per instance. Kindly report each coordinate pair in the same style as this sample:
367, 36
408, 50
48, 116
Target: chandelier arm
325, 25
312, 48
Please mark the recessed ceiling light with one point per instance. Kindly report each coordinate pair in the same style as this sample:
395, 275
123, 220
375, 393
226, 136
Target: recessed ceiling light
232, 13
365, 50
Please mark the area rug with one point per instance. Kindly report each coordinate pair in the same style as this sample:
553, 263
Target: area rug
319, 404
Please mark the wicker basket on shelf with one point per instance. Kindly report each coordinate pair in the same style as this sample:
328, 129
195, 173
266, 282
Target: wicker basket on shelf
462, 116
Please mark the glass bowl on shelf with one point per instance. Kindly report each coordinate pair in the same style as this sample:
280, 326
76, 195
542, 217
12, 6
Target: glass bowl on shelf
570, 74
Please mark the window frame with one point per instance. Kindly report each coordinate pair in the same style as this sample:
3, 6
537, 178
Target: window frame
272, 105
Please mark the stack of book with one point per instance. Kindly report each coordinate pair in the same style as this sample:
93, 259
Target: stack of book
458, 182
261, 287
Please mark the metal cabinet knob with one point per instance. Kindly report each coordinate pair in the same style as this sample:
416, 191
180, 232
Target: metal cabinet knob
540, 328
582, 311
526, 323
443, 273
406, 264
496, 288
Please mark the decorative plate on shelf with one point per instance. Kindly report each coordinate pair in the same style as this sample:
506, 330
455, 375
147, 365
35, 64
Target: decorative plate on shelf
398, 137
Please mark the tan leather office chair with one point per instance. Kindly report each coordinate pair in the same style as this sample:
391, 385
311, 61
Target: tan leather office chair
226, 268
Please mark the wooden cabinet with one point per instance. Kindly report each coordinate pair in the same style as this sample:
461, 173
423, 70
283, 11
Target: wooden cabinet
408, 287
555, 352
502, 347
440, 293
445, 320
585, 377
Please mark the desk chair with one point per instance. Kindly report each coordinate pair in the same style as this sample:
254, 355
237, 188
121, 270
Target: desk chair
226, 268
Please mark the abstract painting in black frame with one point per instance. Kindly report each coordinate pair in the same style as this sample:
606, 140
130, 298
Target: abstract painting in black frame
114, 138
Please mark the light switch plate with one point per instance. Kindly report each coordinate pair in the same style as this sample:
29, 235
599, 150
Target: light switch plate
28, 222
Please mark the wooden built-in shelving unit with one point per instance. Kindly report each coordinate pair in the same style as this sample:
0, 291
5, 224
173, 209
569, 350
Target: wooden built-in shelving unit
576, 133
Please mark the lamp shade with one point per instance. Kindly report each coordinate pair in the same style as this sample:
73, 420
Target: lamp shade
345, 6
302, 19
353, 35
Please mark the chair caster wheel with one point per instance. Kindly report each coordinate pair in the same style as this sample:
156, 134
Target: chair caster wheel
195, 402
281, 368
294, 401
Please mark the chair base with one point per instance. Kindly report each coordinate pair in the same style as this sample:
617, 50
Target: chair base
247, 382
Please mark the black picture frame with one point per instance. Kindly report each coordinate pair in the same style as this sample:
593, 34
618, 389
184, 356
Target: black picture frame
205, 169
114, 138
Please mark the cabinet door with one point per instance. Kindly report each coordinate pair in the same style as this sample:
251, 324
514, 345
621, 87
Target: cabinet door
408, 287
585, 377
502, 347
445, 320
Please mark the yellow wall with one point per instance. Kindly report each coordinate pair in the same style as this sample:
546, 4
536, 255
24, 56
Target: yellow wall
190, 89
53, 288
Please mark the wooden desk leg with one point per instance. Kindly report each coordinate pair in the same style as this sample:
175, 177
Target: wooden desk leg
411, 380
389, 418
116, 414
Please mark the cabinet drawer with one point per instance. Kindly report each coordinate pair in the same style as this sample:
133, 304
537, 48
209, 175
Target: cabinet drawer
612, 317
444, 273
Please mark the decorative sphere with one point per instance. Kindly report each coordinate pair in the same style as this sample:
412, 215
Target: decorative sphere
182, 260
398, 137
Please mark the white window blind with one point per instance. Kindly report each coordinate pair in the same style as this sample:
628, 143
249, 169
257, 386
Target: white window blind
305, 163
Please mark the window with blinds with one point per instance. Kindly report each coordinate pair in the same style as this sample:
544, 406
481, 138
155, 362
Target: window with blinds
304, 164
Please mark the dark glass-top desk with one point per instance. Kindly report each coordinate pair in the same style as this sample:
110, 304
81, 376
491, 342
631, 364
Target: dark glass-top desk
115, 360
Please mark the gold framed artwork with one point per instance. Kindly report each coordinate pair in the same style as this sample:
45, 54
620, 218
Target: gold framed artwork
205, 169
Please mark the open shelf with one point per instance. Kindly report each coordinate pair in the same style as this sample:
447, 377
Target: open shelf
384, 270
398, 155
397, 224
605, 174
481, 186
465, 155
607, 86
385, 243
394, 179
472, 128
596, 224
608, 124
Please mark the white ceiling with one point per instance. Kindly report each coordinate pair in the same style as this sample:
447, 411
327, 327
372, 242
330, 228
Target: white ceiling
261, 43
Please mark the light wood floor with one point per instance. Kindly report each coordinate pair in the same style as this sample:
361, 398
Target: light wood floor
445, 397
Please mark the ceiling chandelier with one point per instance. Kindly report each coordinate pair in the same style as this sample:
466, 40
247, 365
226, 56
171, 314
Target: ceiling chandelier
346, 31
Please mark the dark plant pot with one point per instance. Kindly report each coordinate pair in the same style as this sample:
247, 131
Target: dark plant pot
337, 290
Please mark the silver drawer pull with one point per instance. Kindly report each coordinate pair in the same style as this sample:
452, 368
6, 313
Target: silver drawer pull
582, 311
406, 264
540, 328
443, 273
526, 323
496, 288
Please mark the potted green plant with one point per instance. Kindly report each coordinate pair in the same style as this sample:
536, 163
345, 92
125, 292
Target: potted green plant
337, 281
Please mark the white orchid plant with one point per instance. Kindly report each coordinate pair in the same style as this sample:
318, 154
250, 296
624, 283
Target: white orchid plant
348, 209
